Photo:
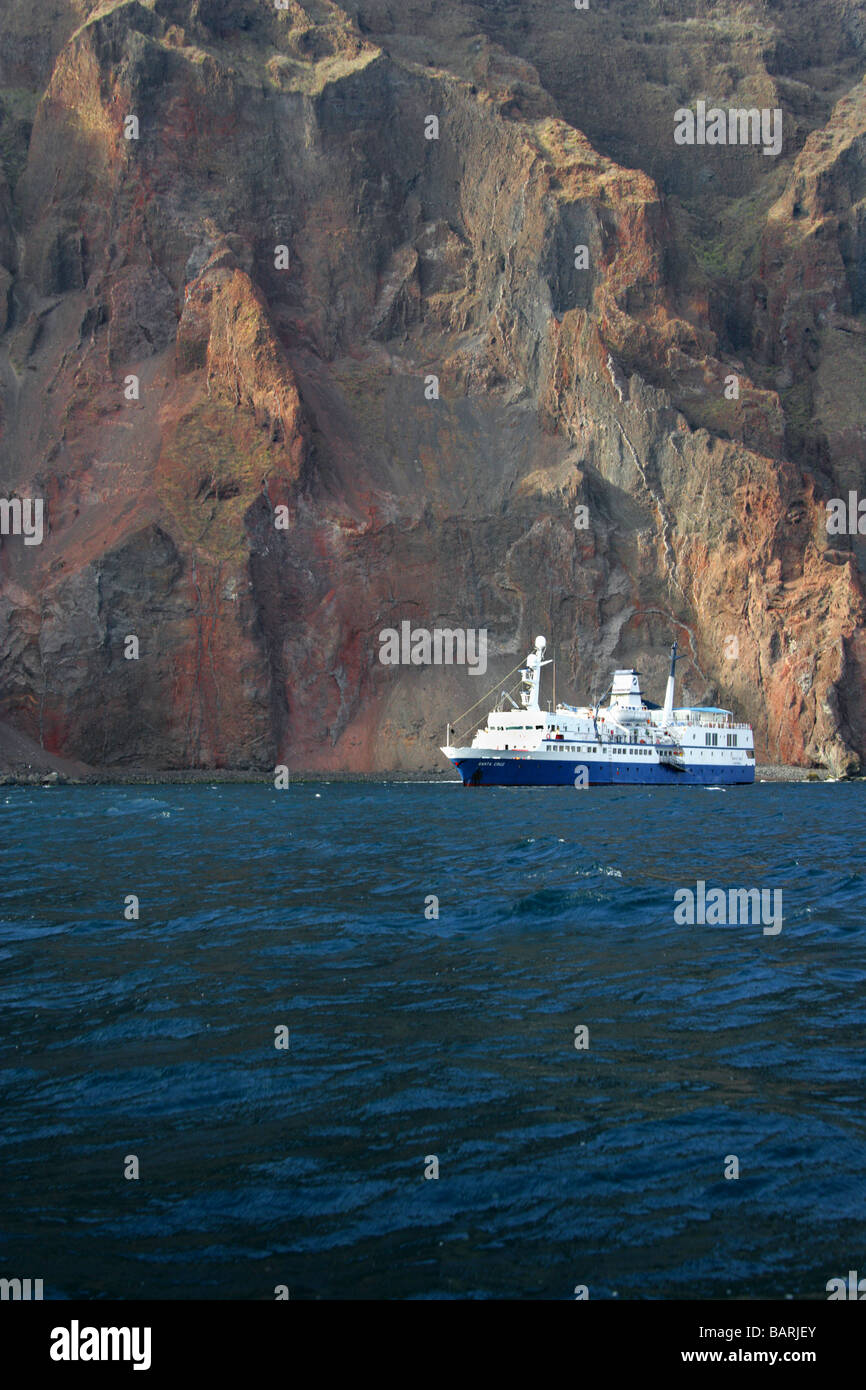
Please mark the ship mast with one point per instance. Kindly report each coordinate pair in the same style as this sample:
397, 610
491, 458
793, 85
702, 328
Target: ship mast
530, 675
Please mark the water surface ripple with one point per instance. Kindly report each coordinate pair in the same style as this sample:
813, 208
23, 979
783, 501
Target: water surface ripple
413, 1037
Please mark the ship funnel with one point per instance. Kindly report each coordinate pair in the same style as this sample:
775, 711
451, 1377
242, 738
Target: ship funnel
668, 708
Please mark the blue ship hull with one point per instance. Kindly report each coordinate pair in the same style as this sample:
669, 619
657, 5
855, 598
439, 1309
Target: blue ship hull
532, 772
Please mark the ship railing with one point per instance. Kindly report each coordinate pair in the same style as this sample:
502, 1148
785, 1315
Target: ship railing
711, 724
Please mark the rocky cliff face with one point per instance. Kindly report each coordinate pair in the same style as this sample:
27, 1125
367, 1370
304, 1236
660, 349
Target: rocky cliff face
231, 261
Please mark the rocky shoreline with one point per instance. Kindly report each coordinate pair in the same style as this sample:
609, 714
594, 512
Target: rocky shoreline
192, 776
23, 763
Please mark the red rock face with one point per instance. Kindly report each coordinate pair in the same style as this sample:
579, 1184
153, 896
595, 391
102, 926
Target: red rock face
217, 340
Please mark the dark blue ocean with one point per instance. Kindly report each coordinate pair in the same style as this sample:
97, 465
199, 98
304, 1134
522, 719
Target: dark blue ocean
412, 1037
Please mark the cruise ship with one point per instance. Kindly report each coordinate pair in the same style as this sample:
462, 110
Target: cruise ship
629, 740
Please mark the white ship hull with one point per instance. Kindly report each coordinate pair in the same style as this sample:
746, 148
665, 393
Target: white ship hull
618, 767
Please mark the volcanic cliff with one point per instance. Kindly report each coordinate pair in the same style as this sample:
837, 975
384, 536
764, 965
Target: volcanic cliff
236, 248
